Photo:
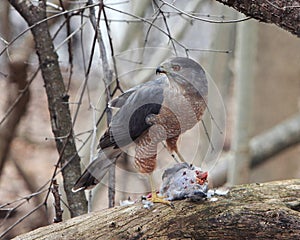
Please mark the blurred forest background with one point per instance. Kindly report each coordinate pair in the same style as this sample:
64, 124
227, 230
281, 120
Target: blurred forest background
254, 80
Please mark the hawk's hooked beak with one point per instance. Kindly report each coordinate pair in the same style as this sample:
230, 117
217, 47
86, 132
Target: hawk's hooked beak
160, 69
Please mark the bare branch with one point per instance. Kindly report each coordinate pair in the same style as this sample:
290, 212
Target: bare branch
118, 86
34, 24
21, 219
283, 13
68, 29
107, 82
203, 19
275, 140
158, 13
148, 22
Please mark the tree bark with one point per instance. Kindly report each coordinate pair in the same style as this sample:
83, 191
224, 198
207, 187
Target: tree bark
57, 100
254, 211
283, 13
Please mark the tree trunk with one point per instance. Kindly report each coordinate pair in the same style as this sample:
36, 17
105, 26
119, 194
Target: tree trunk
57, 100
245, 58
283, 13
262, 147
254, 211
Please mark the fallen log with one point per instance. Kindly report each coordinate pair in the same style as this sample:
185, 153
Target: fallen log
253, 211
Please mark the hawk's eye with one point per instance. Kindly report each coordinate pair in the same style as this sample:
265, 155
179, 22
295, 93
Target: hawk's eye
176, 68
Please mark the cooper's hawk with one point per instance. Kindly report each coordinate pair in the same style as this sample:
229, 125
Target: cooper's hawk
158, 110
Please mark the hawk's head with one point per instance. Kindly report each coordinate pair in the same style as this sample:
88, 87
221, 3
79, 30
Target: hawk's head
185, 72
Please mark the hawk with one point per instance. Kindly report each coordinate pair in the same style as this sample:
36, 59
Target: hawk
158, 110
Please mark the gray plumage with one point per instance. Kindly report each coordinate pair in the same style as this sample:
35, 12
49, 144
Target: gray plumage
183, 89
182, 181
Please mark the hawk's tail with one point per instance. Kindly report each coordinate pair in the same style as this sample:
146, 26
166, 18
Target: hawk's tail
97, 169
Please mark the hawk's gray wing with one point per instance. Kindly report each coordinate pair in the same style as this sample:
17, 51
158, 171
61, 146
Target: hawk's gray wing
135, 105
121, 100
126, 125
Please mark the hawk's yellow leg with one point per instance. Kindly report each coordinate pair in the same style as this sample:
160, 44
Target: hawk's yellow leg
154, 198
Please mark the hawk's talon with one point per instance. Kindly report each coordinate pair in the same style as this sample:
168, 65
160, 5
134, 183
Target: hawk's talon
157, 199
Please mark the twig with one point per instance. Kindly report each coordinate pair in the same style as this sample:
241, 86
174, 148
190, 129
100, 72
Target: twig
282, 8
57, 206
112, 55
43, 21
207, 135
203, 19
172, 154
148, 22
92, 147
166, 24
67, 39
212, 117
68, 28
107, 81
20, 220
149, 29
27, 197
